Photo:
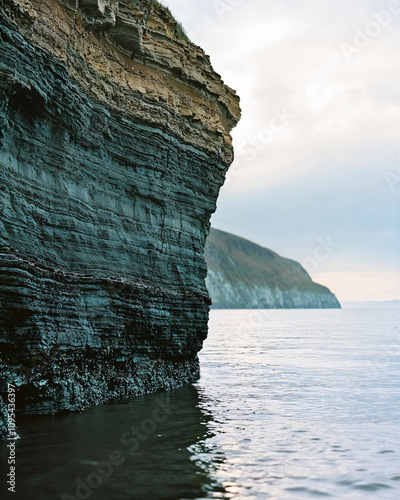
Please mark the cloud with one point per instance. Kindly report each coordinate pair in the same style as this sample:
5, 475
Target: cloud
320, 96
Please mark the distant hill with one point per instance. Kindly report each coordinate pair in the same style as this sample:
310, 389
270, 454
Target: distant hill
243, 275
371, 304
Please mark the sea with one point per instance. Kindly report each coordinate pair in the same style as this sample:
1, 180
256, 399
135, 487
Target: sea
291, 404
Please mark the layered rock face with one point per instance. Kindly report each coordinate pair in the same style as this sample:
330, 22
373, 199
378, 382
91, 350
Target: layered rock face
114, 143
243, 275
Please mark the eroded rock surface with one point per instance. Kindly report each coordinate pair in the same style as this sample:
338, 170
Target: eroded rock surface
114, 143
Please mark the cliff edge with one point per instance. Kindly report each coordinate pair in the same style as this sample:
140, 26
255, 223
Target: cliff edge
114, 143
243, 275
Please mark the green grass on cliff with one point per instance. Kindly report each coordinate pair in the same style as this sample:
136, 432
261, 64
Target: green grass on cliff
180, 30
242, 261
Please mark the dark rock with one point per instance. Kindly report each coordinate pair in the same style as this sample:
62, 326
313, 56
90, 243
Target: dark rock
107, 187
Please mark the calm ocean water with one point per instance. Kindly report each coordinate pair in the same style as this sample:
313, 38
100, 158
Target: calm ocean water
291, 405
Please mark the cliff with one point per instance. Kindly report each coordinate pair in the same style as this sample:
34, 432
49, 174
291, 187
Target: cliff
114, 143
243, 275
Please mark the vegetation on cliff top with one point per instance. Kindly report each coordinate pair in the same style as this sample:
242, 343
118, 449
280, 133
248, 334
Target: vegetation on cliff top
240, 260
180, 30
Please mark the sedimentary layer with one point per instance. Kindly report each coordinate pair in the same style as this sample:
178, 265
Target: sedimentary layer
243, 275
114, 143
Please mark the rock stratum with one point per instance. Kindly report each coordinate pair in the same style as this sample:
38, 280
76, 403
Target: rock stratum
243, 275
114, 143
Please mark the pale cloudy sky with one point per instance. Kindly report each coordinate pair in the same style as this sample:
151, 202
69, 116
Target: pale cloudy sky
317, 170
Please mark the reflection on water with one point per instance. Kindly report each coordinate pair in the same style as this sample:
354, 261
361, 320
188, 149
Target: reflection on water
290, 405
142, 449
305, 403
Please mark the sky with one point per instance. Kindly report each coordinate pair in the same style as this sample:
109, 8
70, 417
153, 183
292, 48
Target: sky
316, 175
